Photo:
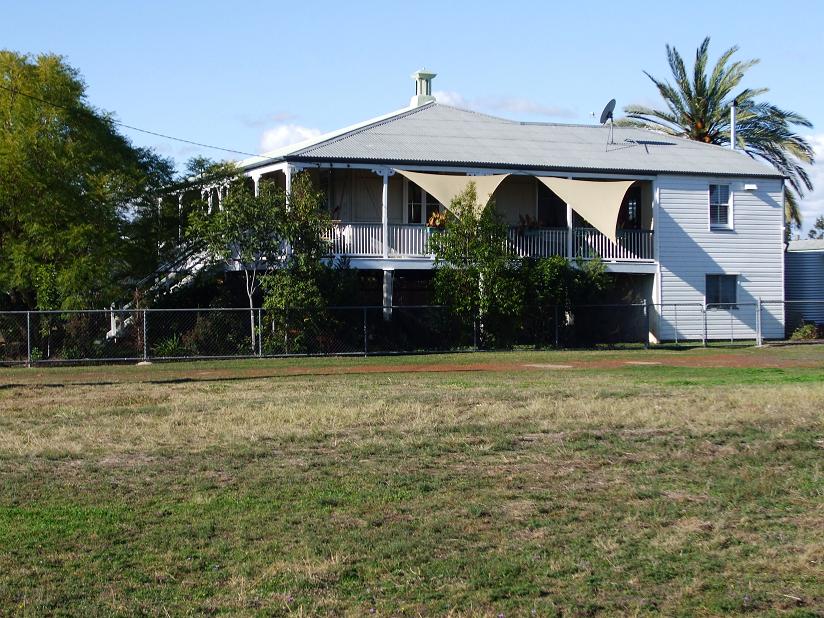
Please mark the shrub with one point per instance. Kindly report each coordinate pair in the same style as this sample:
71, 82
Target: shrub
806, 331
170, 347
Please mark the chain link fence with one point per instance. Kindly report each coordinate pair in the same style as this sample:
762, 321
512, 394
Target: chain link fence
40, 337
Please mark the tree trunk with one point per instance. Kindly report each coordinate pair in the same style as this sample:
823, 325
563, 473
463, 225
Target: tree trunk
252, 323
250, 292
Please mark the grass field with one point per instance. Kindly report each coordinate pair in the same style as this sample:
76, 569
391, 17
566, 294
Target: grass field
557, 483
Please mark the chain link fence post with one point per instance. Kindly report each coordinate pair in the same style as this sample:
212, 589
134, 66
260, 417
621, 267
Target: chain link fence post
260, 331
28, 338
145, 336
365, 337
759, 341
646, 324
704, 320
555, 307
676, 323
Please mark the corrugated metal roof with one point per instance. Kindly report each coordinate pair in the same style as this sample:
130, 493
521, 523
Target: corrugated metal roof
806, 245
441, 134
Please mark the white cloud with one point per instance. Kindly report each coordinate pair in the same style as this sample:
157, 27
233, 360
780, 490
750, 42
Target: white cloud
513, 105
448, 97
286, 135
812, 205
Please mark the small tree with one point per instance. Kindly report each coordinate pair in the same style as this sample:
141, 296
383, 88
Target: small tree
300, 282
246, 234
474, 273
555, 282
817, 231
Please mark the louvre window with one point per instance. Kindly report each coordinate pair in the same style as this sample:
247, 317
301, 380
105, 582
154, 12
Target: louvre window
720, 207
722, 291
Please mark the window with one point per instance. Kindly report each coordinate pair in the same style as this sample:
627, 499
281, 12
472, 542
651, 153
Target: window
720, 212
722, 290
419, 204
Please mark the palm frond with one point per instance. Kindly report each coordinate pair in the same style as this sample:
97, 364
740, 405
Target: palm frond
698, 107
792, 211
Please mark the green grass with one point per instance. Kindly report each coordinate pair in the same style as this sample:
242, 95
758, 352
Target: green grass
628, 490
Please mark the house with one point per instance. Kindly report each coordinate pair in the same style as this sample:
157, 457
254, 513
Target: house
804, 282
696, 229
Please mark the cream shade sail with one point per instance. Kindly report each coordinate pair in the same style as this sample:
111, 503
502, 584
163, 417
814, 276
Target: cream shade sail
597, 201
445, 188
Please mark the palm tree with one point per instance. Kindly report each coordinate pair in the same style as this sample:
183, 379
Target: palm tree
698, 107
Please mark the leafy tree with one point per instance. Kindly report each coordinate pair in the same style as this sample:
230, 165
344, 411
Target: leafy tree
554, 282
304, 283
817, 231
71, 185
698, 107
475, 275
244, 234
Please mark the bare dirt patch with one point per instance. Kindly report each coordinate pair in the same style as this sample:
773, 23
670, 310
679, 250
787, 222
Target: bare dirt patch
170, 374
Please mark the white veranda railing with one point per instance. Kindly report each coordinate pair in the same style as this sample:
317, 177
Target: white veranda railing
366, 240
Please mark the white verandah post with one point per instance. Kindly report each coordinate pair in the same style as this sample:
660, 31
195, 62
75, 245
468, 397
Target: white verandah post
288, 171
384, 173
385, 215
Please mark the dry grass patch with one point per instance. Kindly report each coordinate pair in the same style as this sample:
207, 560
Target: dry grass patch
632, 491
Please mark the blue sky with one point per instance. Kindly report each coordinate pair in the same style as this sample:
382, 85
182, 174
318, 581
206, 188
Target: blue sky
255, 75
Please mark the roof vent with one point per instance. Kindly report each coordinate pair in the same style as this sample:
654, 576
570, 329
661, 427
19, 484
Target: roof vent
423, 88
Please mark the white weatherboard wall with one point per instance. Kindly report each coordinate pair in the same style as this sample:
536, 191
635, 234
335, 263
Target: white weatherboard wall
689, 250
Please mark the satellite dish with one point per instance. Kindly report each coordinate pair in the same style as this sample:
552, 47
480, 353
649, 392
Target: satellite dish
607, 113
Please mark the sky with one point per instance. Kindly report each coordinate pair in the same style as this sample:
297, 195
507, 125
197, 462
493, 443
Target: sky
254, 76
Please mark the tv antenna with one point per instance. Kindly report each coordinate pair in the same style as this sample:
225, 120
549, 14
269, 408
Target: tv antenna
607, 115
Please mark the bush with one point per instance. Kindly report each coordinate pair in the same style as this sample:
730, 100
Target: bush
171, 347
807, 331
218, 333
